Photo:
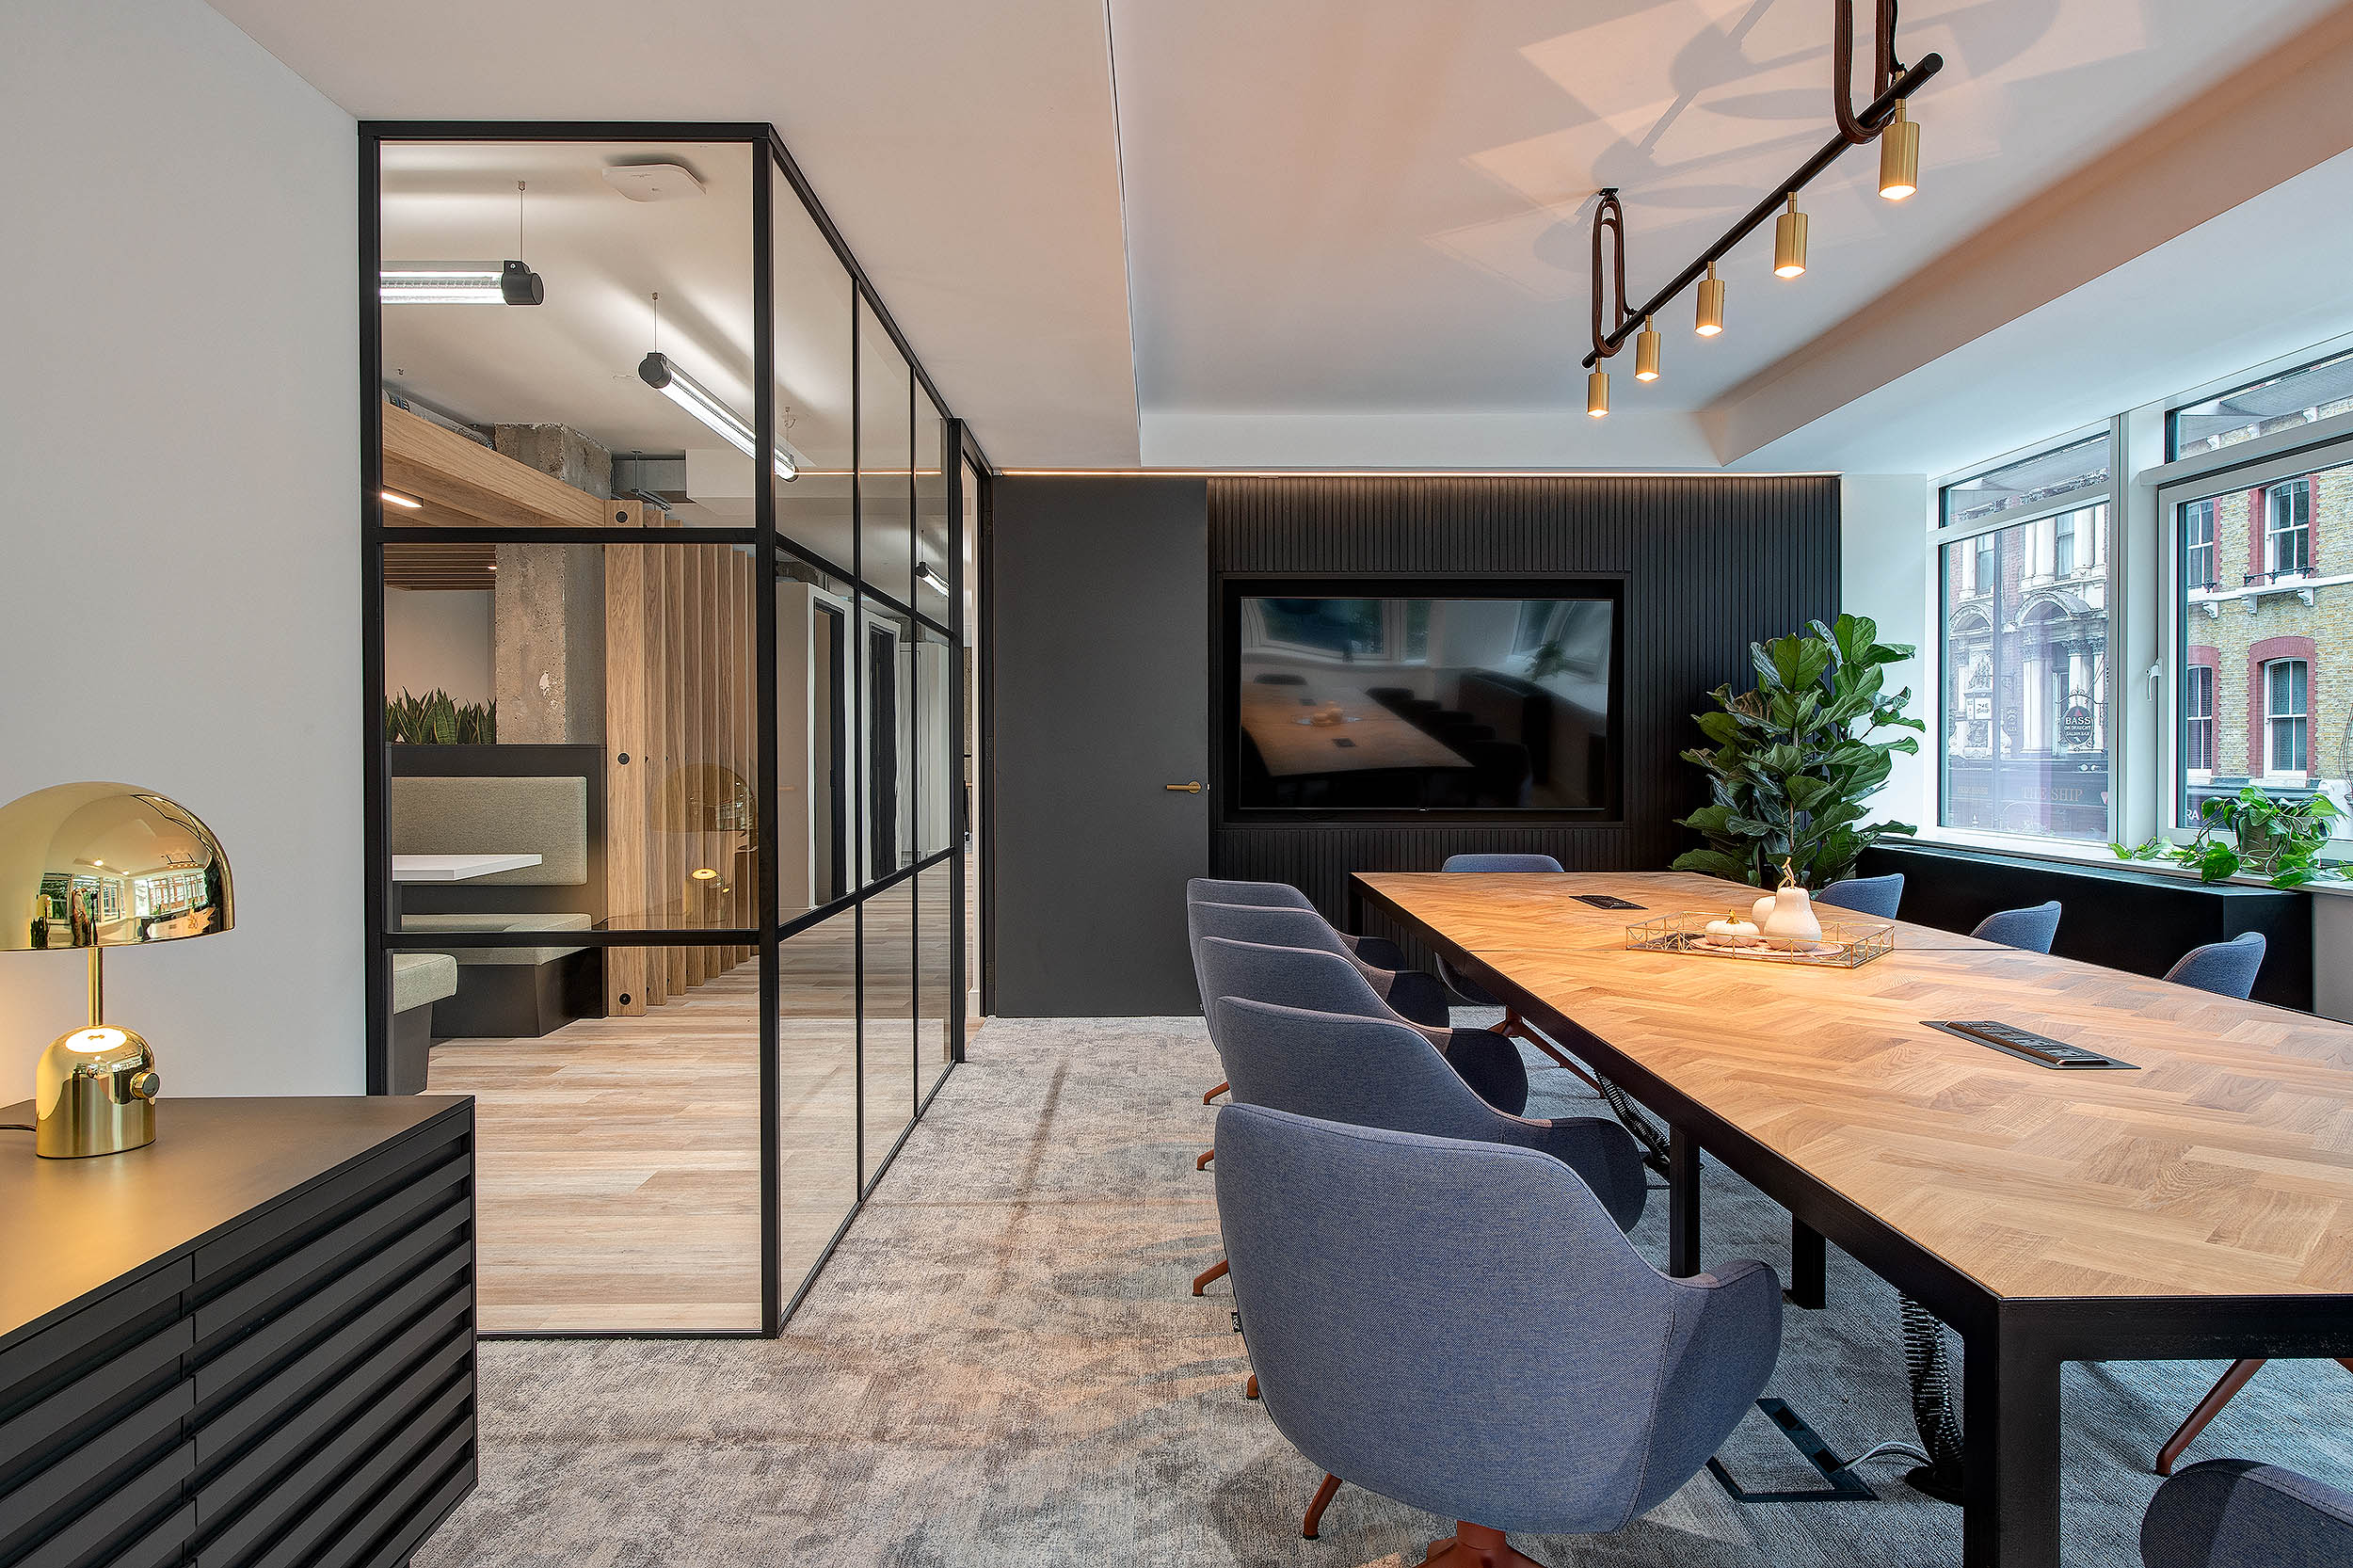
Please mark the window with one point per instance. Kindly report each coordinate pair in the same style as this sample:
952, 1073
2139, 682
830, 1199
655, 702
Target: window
2299, 396
2285, 690
2197, 719
2025, 741
2288, 528
2197, 545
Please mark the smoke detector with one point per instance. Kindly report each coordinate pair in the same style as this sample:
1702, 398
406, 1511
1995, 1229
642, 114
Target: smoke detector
654, 181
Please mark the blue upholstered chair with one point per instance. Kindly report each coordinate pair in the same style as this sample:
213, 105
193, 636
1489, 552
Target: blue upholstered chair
1875, 896
1412, 994
2236, 1514
1322, 982
1368, 1072
2226, 969
2029, 929
1512, 1025
1379, 952
1461, 1326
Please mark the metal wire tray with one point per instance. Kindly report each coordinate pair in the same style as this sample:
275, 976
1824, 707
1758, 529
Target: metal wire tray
1846, 944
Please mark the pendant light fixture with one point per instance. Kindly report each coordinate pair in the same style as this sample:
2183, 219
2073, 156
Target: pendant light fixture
657, 371
1789, 242
1647, 352
1899, 157
1611, 218
1597, 392
1886, 120
1711, 311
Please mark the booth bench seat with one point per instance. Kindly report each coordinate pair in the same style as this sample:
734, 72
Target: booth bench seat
524, 991
419, 981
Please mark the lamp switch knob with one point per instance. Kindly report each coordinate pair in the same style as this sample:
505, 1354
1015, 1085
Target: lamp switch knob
146, 1085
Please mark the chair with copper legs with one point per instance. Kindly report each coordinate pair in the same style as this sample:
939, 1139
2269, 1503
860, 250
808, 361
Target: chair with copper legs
2226, 969
1577, 1434
2234, 1513
1513, 1026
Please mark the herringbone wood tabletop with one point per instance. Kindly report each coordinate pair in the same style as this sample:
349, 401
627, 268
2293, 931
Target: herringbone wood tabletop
2223, 1167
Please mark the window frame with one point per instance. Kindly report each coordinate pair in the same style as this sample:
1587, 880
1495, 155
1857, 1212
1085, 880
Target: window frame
2300, 671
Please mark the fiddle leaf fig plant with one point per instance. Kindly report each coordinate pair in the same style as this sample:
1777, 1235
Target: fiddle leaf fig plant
2278, 838
1796, 760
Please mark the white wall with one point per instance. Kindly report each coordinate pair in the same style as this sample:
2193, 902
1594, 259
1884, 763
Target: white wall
1883, 573
437, 639
179, 456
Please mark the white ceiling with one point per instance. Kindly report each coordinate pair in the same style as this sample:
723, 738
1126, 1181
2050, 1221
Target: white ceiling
966, 153
1331, 232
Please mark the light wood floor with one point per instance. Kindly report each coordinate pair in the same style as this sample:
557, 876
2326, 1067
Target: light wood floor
619, 1158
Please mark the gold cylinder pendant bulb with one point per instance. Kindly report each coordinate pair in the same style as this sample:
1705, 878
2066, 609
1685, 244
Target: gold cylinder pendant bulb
1597, 392
1711, 311
1790, 241
1899, 157
1647, 352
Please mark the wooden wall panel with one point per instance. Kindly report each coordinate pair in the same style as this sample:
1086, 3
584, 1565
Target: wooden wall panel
625, 813
1709, 564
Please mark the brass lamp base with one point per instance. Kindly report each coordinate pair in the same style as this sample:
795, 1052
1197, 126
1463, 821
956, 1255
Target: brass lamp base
94, 1093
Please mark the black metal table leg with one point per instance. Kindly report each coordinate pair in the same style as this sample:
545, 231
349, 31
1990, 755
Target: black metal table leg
1809, 1265
2010, 1440
1683, 1204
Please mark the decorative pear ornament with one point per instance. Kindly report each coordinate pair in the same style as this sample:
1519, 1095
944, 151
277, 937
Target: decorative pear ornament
1791, 919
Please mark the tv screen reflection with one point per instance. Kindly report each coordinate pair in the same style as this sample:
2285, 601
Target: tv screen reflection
1422, 704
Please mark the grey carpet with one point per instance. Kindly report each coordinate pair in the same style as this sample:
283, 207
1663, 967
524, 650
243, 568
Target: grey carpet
1003, 1364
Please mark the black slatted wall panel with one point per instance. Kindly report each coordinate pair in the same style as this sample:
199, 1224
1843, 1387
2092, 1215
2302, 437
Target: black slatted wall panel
1710, 564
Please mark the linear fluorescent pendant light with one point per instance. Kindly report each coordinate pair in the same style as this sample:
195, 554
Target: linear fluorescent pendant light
1899, 157
930, 578
1790, 241
1711, 311
657, 372
459, 283
1597, 392
1647, 352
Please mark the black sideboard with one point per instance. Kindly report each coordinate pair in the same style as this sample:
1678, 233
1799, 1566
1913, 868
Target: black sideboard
2121, 915
247, 1345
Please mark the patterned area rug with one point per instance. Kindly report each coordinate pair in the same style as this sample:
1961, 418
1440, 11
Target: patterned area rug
1004, 1364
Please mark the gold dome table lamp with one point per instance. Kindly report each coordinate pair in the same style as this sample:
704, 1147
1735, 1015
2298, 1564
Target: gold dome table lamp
96, 865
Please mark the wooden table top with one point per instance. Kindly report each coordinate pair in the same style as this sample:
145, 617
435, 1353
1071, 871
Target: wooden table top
1379, 739
2224, 1166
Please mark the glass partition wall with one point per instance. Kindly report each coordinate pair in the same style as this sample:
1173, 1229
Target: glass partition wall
665, 545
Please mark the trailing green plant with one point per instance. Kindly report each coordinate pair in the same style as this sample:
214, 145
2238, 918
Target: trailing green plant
2278, 838
1795, 758
436, 719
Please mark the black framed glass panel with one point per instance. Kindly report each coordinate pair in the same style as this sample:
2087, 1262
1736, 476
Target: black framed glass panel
817, 1176
817, 809
938, 1013
886, 1026
885, 488
816, 411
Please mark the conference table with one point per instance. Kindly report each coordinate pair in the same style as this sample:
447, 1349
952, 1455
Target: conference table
2199, 1206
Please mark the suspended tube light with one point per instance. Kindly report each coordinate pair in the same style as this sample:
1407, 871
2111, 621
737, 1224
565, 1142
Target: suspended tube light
658, 371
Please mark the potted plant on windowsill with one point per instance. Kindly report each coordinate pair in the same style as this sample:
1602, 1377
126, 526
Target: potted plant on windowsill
2277, 838
1794, 760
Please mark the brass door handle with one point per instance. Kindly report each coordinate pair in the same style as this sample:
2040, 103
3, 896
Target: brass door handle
1193, 789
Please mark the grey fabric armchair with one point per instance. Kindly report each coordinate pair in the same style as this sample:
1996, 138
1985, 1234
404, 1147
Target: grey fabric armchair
1322, 982
1512, 1025
2226, 969
1413, 994
1404, 1298
2028, 929
2236, 1514
1875, 896
1379, 952
1368, 1072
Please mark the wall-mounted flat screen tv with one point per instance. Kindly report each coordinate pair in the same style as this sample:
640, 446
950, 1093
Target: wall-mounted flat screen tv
1452, 699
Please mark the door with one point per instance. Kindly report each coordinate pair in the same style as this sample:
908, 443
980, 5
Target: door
1098, 681
829, 686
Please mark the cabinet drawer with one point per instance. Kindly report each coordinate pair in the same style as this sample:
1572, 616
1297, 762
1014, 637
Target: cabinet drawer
69, 1415
130, 1514
40, 1497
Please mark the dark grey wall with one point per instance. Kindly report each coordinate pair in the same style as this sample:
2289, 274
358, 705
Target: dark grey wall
1099, 690
1103, 680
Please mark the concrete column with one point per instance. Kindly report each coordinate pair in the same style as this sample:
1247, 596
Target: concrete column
547, 615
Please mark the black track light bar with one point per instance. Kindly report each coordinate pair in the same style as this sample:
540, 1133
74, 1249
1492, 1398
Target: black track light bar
1872, 117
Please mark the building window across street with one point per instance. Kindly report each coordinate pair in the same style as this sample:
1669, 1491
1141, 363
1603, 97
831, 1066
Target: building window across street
2285, 721
2288, 528
2197, 721
2198, 544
